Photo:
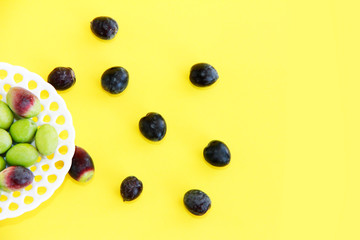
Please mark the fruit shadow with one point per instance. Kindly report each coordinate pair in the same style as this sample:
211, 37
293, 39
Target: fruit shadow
149, 141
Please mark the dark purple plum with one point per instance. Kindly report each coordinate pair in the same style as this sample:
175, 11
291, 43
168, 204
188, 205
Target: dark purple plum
217, 153
82, 167
203, 75
153, 126
15, 178
104, 27
62, 78
114, 80
130, 188
197, 202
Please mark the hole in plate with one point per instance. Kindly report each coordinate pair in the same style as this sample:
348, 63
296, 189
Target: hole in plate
39, 159
50, 156
1, 97
52, 178
63, 150
41, 190
60, 120
7, 87
33, 168
44, 94
47, 118
45, 167
64, 134
28, 188
3, 74
37, 178
0, 209
35, 119
32, 85
3, 198
59, 164
18, 77
13, 206
16, 194
28, 199
42, 108
54, 106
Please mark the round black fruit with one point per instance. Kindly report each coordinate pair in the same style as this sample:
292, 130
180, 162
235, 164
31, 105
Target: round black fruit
217, 153
104, 27
197, 202
130, 188
203, 75
153, 126
115, 80
62, 78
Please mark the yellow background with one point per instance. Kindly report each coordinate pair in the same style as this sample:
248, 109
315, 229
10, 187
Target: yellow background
286, 104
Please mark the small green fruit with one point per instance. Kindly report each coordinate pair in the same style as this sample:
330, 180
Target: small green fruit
46, 139
6, 116
5, 141
2, 164
22, 154
23, 131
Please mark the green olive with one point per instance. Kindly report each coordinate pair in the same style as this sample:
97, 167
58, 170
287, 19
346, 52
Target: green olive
2, 163
46, 139
5, 141
23, 131
22, 154
6, 116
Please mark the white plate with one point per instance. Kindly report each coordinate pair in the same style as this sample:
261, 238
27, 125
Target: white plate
49, 171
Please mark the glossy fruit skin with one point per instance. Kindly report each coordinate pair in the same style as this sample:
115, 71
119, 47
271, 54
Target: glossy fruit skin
197, 202
15, 178
23, 130
203, 75
46, 139
23, 102
217, 153
22, 154
62, 78
5, 141
153, 126
115, 80
6, 116
104, 27
131, 188
82, 166
2, 163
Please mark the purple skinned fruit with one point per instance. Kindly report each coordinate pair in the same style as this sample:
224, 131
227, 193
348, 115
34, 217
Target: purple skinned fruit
82, 167
131, 188
23, 102
62, 78
15, 178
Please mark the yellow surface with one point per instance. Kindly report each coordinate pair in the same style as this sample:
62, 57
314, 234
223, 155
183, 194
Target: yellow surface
286, 104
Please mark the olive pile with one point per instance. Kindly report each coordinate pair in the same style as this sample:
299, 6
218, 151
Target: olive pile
15, 144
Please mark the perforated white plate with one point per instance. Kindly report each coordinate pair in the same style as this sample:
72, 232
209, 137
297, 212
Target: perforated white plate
49, 171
